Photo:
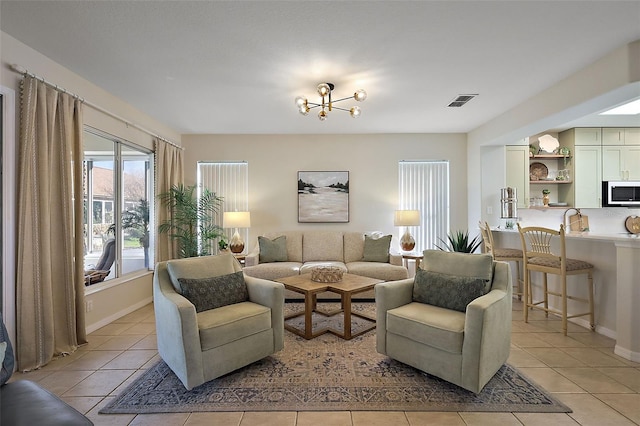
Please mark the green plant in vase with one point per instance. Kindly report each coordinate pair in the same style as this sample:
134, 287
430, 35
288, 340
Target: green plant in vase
460, 242
545, 196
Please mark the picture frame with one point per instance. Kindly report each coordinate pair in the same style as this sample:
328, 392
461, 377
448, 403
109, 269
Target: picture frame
323, 196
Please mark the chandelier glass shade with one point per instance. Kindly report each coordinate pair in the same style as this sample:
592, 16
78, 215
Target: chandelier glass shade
327, 103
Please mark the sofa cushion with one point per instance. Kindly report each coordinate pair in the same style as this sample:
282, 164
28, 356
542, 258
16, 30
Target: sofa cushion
273, 250
220, 326
273, 271
381, 271
214, 292
353, 246
376, 249
465, 264
294, 243
322, 246
430, 325
201, 267
446, 291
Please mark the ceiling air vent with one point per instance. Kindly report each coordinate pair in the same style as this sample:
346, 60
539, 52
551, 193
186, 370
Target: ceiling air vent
461, 100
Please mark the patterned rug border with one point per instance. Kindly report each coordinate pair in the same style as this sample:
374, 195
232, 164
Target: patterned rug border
395, 387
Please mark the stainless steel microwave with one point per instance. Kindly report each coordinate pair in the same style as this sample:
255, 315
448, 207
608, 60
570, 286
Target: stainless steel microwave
624, 193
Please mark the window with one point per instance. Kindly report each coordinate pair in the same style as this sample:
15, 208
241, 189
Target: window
424, 186
117, 187
230, 181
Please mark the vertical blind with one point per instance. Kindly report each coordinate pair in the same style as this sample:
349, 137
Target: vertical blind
424, 186
229, 180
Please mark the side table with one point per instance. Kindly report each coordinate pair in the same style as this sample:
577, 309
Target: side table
412, 256
240, 258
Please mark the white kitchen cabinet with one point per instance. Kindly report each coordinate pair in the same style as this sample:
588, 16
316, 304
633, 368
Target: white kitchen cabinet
587, 176
613, 136
620, 136
621, 162
517, 172
585, 136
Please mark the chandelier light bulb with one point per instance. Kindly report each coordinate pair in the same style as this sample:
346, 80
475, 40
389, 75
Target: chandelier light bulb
322, 115
323, 89
355, 112
304, 109
300, 101
360, 95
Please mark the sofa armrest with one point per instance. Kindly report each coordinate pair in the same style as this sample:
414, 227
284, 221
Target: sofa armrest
389, 295
177, 329
395, 259
271, 294
487, 331
252, 258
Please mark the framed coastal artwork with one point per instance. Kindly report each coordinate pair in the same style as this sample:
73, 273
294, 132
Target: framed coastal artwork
323, 196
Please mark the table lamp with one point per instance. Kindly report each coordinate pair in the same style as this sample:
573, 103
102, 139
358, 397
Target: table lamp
236, 220
407, 218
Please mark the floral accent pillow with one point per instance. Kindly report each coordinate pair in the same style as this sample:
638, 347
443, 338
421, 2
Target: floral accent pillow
215, 292
446, 291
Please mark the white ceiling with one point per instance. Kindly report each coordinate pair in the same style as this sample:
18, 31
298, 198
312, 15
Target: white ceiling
236, 67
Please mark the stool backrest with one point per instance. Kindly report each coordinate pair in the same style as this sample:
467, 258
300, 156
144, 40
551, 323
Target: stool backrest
487, 237
536, 242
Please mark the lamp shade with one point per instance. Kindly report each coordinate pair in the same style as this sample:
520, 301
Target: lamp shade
407, 218
236, 220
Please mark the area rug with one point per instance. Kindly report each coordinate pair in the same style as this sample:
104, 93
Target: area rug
329, 374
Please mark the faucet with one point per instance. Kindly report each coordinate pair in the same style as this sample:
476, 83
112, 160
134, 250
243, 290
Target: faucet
564, 218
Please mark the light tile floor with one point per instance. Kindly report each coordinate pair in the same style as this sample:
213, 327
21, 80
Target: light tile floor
580, 369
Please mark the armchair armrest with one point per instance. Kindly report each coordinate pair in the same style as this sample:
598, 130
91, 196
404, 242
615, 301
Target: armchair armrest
487, 330
389, 295
176, 329
271, 294
252, 258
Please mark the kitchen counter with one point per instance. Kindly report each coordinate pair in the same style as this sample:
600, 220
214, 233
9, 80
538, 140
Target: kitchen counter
616, 260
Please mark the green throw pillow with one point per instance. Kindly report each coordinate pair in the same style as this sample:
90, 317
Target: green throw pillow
376, 250
273, 250
446, 291
215, 292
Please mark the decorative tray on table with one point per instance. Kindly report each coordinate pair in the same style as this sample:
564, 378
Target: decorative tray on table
632, 224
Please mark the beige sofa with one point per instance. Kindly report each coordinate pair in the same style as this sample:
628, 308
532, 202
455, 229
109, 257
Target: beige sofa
309, 249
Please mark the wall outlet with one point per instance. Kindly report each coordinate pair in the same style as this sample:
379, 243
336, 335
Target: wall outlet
489, 210
88, 305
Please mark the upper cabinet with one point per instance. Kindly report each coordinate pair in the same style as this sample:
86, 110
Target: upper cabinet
620, 136
621, 162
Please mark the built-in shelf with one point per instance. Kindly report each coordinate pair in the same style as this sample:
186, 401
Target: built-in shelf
550, 181
549, 156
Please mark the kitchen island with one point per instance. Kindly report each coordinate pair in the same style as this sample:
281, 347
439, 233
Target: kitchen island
616, 258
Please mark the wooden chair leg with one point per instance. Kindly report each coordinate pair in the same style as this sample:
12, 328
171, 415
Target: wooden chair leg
545, 289
591, 296
527, 293
564, 304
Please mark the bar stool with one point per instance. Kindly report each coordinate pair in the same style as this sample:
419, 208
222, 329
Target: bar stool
538, 257
504, 255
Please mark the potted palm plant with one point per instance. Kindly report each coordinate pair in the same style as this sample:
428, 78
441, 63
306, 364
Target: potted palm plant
192, 222
460, 242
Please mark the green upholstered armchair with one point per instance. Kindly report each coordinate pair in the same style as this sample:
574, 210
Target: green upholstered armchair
201, 346
464, 348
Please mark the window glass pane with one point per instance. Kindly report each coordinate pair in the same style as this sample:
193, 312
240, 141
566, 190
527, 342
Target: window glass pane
99, 195
135, 214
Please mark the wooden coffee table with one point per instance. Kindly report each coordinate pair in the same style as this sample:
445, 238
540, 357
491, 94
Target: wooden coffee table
350, 285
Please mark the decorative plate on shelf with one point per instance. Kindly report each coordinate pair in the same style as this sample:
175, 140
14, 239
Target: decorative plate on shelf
633, 224
538, 170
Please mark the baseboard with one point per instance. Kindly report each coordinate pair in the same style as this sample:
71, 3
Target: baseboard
108, 320
627, 354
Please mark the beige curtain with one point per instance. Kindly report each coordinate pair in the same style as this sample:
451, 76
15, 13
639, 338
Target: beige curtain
50, 280
169, 172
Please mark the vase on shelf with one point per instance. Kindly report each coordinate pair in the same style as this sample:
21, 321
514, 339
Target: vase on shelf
545, 197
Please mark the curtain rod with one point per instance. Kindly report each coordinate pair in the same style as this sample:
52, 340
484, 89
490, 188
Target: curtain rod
24, 71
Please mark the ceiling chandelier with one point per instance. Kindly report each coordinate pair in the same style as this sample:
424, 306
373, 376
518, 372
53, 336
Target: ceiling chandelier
327, 104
